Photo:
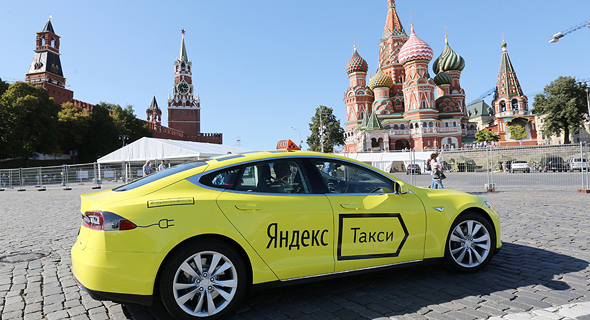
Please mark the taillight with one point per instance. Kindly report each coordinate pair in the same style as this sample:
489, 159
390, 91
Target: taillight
106, 221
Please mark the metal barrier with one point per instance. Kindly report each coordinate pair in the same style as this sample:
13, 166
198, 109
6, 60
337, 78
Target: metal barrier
540, 167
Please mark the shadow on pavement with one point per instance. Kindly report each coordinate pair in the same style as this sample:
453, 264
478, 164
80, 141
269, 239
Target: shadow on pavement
403, 291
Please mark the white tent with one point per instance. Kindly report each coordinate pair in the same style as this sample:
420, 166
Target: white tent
164, 149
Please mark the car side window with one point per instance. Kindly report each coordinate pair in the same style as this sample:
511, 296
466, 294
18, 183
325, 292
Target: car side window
341, 177
224, 179
276, 176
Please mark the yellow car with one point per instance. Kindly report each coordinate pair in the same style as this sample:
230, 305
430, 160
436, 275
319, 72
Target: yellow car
199, 235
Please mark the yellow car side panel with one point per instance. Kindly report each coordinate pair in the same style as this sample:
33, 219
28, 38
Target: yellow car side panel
292, 233
439, 223
159, 230
378, 229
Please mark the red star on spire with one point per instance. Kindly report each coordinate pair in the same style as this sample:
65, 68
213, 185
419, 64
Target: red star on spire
182, 30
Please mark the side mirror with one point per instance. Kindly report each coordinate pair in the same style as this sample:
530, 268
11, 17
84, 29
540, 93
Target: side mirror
400, 188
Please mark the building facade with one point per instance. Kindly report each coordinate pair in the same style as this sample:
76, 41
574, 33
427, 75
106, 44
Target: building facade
402, 106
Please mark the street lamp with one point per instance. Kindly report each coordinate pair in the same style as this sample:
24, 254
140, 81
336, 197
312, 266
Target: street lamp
300, 141
123, 137
588, 100
322, 130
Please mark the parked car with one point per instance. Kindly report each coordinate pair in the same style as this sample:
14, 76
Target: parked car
520, 165
197, 236
552, 164
578, 164
413, 169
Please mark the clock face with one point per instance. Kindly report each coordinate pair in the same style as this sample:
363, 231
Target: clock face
182, 87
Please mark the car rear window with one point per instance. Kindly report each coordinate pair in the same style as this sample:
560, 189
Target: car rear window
159, 175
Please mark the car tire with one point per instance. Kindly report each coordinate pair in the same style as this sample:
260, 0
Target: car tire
470, 243
191, 291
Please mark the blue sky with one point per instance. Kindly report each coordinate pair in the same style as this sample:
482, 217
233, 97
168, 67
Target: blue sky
263, 66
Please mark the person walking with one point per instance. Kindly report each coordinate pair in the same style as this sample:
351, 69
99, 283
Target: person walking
147, 168
436, 177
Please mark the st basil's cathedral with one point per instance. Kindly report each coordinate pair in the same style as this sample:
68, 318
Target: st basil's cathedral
402, 107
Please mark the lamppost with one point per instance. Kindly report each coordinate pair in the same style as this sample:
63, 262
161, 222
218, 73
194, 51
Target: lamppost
322, 130
588, 100
123, 137
300, 141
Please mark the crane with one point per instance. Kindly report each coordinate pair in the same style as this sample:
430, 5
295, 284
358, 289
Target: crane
483, 96
560, 35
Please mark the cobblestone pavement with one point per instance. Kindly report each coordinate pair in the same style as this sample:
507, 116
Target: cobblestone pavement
542, 271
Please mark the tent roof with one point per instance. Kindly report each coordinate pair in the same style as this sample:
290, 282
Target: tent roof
164, 149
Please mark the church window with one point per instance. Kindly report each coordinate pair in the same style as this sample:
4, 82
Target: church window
430, 124
423, 104
424, 125
446, 124
395, 127
454, 124
183, 112
402, 127
514, 104
502, 106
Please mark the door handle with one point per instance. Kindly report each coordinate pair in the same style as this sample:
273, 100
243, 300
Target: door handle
247, 208
349, 206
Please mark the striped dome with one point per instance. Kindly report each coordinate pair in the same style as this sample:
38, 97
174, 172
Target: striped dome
443, 78
380, 80
414, 49
356, 63
448, 60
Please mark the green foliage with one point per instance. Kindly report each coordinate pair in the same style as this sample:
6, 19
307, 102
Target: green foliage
74, 126
107, 122
3, 87
486, 136
563, 103
333, 134
517, 132
28, 121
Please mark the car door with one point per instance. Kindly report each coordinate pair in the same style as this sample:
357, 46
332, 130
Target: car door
272, 206
373, 225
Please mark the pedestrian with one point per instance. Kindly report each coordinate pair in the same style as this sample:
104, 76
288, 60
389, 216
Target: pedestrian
4, 179
436, 177
147, 168
162, 166
504, 166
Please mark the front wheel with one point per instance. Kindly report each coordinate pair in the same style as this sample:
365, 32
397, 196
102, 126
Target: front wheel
205, 280
470, 243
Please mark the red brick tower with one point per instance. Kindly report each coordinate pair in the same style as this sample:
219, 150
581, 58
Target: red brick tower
184, 110
45, 70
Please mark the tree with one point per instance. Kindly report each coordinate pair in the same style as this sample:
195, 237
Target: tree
333, 133
487, 136
28, 121
104, 134
3, 87
129, 125
563, 103
517, 132
74, 126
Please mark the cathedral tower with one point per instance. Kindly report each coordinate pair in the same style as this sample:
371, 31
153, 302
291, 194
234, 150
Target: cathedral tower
184, 110
45, 69
511, 106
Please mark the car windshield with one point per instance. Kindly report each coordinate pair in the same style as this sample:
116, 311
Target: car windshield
159, 175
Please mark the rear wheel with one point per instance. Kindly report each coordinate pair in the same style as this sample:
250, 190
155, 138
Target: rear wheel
470, 243
205, 280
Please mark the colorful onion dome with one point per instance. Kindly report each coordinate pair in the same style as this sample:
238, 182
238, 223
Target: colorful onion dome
448, 60
380, 80
356, 63
414, 49
443, 78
